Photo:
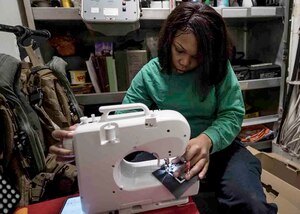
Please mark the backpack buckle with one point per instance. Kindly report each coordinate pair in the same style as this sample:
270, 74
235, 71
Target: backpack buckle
36, 96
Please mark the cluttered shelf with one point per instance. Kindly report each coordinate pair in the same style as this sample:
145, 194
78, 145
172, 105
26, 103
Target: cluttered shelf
53, 13
260, 83
260, 120
116, 97
100, 98
255, 71
261, 145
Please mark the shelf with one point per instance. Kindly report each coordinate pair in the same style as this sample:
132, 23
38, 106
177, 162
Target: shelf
260, 83
252, 12
55, 13
263, 145
266, 11
100, 98
260, 120
52, 13
117, 97
289, 158
155, 13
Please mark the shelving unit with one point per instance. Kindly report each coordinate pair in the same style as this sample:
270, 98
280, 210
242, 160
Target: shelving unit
94, 99
117, 97
260, 83
260, 120
249, 20
91, 99
263, 145
45, 13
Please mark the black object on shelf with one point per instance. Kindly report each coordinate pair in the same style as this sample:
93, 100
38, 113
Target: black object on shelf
22, 33
26, 36
242, 72
264, 71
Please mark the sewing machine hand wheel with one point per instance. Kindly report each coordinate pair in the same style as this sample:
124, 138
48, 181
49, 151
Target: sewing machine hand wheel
105, 110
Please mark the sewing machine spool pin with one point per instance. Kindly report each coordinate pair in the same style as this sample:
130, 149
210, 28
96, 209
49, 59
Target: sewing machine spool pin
110, 132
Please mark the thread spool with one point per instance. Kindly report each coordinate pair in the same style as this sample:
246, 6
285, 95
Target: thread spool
66, 3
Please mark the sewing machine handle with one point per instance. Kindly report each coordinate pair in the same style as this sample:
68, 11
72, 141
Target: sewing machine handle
105, 110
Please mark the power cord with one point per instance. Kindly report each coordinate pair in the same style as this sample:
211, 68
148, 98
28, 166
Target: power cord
289, 130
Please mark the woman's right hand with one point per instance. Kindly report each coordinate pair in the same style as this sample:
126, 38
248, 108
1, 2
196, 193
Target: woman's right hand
196, 157
61, 135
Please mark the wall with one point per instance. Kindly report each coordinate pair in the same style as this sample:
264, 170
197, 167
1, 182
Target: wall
10, 15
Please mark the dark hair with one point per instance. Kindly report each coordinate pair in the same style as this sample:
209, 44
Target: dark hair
210, 31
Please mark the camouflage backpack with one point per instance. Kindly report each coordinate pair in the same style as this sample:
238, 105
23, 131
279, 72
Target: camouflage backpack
25, 134
48, 91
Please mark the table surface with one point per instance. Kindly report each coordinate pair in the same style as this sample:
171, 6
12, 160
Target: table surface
55, 206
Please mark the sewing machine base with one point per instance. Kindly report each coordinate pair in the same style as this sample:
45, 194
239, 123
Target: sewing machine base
73, 205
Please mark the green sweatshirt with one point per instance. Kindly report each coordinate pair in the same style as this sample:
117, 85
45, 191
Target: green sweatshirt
219, 115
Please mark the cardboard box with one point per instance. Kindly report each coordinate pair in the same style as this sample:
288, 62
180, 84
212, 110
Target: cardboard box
281, 181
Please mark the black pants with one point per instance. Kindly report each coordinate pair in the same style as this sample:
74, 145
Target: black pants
234, 176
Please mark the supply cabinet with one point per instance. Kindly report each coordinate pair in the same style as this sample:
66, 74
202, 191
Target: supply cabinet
258, 37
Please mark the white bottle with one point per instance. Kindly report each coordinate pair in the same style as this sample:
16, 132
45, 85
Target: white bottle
247, 3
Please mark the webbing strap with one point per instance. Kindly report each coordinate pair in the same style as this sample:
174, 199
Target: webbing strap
40, 182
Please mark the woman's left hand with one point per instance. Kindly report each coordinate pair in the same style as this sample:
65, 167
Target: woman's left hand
61, 135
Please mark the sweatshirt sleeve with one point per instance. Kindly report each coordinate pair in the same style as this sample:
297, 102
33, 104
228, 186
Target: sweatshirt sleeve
230, 112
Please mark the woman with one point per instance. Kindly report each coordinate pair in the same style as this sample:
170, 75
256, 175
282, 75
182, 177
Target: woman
192, 75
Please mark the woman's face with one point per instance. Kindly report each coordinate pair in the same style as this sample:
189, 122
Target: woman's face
185, 56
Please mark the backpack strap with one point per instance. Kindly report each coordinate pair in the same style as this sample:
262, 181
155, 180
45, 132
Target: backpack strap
35, 91
13, 152
64, 94
50, 95
55, 171
58, 65
14, 141
26, 118
39, 184
22, 150
8, 133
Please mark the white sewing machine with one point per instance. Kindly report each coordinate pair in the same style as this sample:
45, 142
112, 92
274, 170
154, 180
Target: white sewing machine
111, 17
107, 182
